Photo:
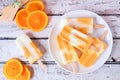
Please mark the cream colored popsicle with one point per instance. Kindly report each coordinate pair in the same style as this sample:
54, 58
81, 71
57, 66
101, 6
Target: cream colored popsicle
29, 49
67, 53
83, 24
96, 49
76, 38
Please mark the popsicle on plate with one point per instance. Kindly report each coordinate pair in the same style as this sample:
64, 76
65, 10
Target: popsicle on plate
76, 38
93, 53
31, 52
67, 51
68, 54
83, 24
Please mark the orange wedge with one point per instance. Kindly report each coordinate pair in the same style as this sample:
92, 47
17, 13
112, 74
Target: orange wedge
13, 69
25, 74
34, 5
21, 18
37, 20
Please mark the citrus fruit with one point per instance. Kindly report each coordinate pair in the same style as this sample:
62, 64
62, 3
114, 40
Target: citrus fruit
37, 20
25, 74
34, 5
13, 69
35, 0
21, 18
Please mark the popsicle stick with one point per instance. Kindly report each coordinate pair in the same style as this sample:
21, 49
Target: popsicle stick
74, 67
98, 26
8, 13
43, 66
103, 36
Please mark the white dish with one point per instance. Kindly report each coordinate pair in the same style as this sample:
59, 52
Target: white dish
53, 47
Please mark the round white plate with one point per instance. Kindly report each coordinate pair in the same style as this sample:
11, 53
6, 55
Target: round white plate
53, 46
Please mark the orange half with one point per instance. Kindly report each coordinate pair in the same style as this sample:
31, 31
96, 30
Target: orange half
37, 20
13, 69
34, 5
21, 18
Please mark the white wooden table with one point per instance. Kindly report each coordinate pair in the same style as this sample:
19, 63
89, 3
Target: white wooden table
108, 9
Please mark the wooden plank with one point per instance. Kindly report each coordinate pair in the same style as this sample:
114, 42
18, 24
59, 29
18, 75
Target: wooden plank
8, 49
98, 6
54, 72
108, 72
63, 6
11, 29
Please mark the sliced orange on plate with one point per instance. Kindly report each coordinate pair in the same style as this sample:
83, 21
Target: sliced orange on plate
13, 69
37, 20
34, 5
21, 18
25, 74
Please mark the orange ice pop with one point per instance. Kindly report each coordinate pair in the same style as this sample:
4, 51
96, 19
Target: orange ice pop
93, 53
31, 52
76, 38
67, 51
83, 24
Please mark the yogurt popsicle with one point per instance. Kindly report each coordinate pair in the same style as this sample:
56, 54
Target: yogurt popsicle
93, 53
29, 49
68, 54
76, 38
83, 24
67, 51
31, 52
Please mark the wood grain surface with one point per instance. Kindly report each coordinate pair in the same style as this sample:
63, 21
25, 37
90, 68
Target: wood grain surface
109, 10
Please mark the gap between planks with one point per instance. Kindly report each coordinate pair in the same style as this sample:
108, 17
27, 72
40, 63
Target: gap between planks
98, 14
54, 63
34, 38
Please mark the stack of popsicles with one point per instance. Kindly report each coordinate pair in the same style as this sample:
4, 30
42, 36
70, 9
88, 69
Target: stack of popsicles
74, 35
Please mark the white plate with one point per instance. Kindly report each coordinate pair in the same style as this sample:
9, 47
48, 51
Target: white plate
53, 47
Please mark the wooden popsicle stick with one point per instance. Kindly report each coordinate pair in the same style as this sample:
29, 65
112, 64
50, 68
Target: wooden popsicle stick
74, 67
103, 36
8, 13
43, 66
98, 26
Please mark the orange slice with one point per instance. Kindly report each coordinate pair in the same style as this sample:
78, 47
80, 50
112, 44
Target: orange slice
37, 20
21, 18
25, 74
34, 5
13, 69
